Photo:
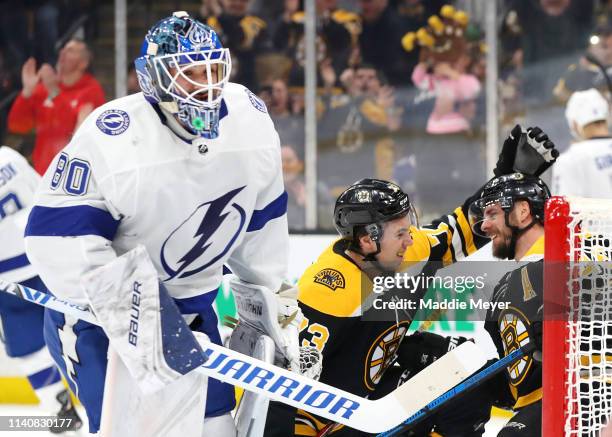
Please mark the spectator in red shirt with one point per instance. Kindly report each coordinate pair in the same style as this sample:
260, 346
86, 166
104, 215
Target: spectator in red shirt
55, 101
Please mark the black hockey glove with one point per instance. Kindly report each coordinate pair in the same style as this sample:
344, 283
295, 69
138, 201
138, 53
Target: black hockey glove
505, 162
529, 152
420, 349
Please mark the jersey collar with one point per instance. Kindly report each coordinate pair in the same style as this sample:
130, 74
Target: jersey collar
536, 248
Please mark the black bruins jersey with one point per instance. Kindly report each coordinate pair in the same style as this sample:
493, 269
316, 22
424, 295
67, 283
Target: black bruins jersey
523, 290
356, 353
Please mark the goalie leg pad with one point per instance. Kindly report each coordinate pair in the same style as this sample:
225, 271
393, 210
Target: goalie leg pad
219, 426
142, 321
177, 410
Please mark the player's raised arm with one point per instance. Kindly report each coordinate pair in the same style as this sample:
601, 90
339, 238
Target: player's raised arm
528, 151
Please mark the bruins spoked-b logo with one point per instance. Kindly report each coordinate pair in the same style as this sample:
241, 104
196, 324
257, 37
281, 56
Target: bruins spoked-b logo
383, 353
513, 328
330, 278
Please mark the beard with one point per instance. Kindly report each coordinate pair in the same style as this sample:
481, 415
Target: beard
505, 249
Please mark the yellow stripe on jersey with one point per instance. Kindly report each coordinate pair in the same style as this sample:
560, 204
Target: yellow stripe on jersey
309, 425
420, 250
466, 232
528, 399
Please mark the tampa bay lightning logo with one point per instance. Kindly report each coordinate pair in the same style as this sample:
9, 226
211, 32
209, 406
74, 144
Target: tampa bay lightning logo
113, 121
199, 35
257, 102
212, 229
146, 85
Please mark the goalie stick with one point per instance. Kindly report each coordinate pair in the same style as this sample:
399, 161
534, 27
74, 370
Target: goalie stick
307, 394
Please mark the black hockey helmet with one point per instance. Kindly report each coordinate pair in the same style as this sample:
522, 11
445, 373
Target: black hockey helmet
506, 190
367, 204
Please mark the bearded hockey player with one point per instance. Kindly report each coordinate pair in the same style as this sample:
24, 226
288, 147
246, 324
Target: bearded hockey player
511, 213
189, 169
21, 323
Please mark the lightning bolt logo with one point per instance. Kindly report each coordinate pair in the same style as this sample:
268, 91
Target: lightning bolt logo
68, 340
113, 121
211, 231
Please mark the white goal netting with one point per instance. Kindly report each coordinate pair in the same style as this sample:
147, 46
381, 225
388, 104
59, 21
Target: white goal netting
586, 359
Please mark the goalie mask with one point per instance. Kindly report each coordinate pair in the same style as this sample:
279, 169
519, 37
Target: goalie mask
505, 191
366, 205
183, 68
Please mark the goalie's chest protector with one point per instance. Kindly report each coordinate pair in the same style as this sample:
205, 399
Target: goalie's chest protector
189, 202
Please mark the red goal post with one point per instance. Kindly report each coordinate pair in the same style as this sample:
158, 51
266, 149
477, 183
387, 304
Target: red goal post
577, 344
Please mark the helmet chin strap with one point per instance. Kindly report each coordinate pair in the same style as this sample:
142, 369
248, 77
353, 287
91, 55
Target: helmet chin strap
371, 257
516, 233
375, 232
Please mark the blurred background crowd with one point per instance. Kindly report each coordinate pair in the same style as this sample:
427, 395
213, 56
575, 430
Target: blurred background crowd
400, 93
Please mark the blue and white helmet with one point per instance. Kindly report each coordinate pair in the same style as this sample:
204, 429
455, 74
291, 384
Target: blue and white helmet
171, 49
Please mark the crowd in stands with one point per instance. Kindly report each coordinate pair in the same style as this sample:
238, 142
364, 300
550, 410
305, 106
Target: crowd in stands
400, 82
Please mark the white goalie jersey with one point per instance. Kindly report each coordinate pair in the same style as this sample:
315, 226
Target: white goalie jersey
18, 182
195, 204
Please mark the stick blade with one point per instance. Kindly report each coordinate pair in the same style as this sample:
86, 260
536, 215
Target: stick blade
439, 377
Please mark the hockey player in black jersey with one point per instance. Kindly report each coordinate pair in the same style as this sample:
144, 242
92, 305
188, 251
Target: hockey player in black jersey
380, 236
511, 213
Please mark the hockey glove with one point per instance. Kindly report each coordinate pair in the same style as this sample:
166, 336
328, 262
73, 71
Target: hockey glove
420, 349
535, 155
263, 312
530, 152
505, 162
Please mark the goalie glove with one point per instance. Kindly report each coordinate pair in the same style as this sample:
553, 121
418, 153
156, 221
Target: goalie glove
529, 151
262, 312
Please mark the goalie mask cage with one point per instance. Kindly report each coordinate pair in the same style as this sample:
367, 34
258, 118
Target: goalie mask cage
577, 345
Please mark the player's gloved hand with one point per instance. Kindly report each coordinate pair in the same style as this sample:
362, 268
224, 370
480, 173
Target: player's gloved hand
528, 151
537, 154
289, 318
505, 161
264, 312
420, 349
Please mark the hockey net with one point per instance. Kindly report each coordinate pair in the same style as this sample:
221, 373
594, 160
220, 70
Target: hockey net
577, 350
